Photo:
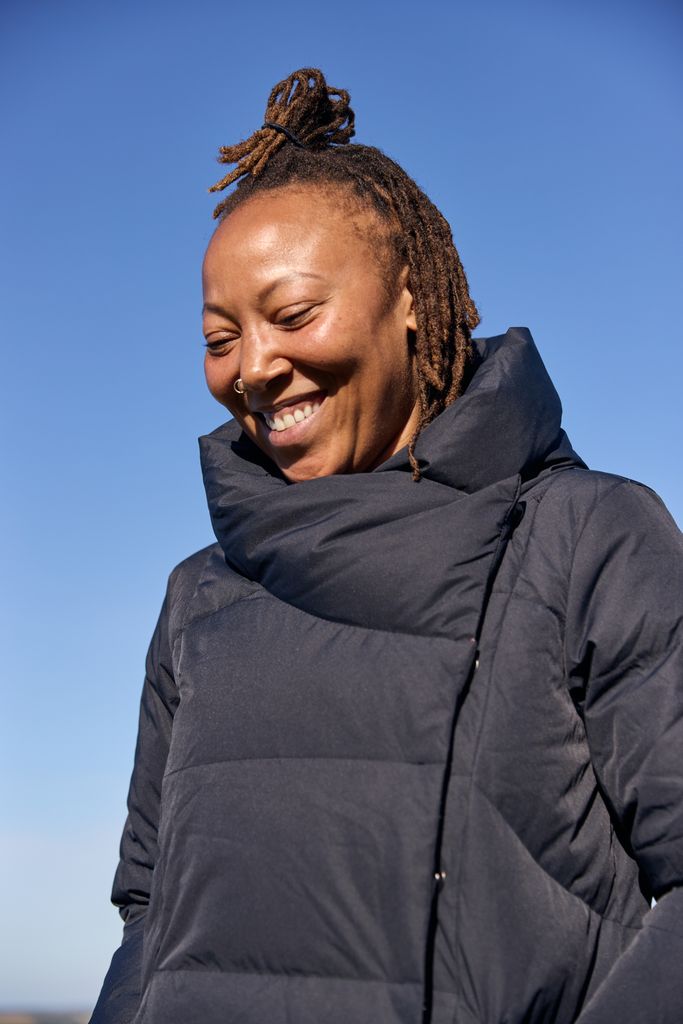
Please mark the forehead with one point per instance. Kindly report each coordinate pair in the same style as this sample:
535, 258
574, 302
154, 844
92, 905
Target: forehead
294, 226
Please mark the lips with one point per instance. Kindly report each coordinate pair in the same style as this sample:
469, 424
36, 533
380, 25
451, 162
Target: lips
286, 415
290, 419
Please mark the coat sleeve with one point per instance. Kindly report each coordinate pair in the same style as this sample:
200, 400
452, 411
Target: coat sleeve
120, 995
624, 621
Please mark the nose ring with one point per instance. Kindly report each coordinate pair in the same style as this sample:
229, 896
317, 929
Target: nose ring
239, 386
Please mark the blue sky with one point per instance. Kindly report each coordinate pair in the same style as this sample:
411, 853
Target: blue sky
550, 136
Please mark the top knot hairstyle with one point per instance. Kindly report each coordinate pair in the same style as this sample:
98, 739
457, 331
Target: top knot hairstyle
304, 140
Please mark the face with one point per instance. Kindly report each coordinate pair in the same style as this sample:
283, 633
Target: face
295, 304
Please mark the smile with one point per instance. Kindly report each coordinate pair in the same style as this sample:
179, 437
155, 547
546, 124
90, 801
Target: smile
292, 414
290, 419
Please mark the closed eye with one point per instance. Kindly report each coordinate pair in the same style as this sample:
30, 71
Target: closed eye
295, 319
220, 345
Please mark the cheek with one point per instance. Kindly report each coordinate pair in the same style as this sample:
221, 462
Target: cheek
330, 345
219, 380
388, 367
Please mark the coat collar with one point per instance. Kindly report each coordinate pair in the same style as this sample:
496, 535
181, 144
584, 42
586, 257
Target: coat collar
361, 548
507, 422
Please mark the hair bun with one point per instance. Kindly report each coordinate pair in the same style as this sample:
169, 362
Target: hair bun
303, 107
317, 114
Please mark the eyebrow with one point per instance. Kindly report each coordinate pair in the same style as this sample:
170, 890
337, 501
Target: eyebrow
211, 307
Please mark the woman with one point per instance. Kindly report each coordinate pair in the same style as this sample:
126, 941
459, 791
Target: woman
410, 734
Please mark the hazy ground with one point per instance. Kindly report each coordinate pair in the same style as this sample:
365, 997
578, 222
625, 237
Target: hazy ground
44, 1018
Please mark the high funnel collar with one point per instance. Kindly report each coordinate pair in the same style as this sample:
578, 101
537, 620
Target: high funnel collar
353, 547
507, 422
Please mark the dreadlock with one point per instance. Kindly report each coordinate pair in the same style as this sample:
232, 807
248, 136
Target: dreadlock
305, 139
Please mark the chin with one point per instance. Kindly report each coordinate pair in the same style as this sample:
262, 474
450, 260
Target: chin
311, 469
297, 474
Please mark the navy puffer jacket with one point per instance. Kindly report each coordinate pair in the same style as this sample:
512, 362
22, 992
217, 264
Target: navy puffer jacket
412, 752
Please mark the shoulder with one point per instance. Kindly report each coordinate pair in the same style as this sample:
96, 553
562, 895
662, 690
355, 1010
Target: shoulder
573, 501
184, 581
624, 552
186, 574
577, 524
583, 488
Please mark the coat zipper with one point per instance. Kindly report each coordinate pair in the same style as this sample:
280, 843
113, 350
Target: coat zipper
438, 875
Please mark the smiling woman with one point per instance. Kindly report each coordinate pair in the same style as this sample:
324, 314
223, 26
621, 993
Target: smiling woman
297, 307
410, 733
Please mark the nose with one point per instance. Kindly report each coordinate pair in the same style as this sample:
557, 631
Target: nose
262, 357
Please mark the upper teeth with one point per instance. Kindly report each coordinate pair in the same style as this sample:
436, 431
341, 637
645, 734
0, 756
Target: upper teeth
276, 422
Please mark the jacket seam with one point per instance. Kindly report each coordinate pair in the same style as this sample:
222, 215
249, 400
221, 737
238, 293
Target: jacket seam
182, 607
298, 757
589, 515
494, 658
475, 752
283, 974
263, 594
666, 931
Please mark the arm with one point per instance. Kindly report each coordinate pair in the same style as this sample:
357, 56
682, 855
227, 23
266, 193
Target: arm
120, 995
624, 640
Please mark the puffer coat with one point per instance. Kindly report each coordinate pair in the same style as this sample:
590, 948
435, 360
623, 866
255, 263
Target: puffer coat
412, 752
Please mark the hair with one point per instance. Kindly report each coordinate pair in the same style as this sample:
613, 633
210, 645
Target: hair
305, 141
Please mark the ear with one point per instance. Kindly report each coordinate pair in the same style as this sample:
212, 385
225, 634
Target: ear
411, 322
408, 302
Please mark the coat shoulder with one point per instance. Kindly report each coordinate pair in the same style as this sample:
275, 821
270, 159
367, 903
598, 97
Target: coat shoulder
185, 580
565, 502
569, 510
187, 573
582, 489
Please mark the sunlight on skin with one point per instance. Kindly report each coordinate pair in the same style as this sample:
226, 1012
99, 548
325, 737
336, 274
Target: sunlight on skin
297, 307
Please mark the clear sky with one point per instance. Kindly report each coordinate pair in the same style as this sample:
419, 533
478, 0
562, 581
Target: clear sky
550, 136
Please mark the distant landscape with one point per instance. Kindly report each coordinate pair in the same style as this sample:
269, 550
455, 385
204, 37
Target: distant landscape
44, 1018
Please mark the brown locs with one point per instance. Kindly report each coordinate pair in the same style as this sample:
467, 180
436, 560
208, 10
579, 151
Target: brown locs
322, 120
